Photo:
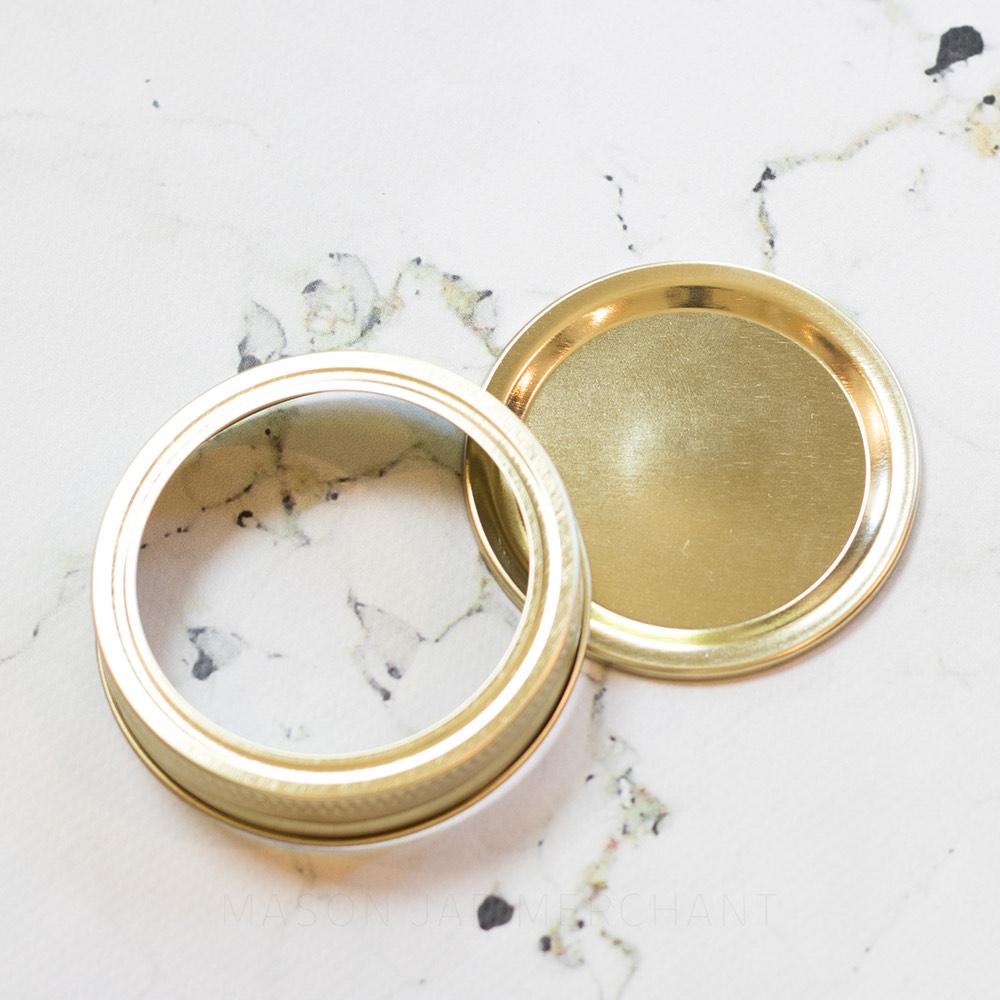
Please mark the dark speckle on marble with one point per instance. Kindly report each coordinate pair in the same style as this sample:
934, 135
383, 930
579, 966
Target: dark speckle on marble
263, 338
956, 45
214, 650
619, 214
494, 911
156, 104
243, 516
990, 99
384, 693
767, 175
204, 665
545, 942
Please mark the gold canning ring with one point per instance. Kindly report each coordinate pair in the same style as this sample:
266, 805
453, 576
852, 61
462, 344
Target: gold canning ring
392, 790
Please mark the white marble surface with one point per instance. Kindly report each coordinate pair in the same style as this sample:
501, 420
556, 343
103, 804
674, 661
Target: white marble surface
175, 179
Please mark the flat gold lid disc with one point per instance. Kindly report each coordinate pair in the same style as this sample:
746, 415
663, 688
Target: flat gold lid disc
739, 458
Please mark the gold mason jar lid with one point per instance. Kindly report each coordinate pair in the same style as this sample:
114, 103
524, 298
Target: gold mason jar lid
739, 456
392, 790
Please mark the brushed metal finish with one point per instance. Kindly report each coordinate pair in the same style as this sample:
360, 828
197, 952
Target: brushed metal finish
392, 790
739, 456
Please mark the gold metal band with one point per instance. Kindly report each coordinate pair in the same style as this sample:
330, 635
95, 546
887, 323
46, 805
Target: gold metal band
392, 790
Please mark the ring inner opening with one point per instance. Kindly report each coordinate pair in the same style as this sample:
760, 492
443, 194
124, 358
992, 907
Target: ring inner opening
309, 579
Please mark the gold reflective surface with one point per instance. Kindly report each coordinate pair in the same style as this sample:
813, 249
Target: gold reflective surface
739, 457
729, 464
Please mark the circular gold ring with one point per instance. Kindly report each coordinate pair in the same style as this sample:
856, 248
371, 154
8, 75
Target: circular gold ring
392, 790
